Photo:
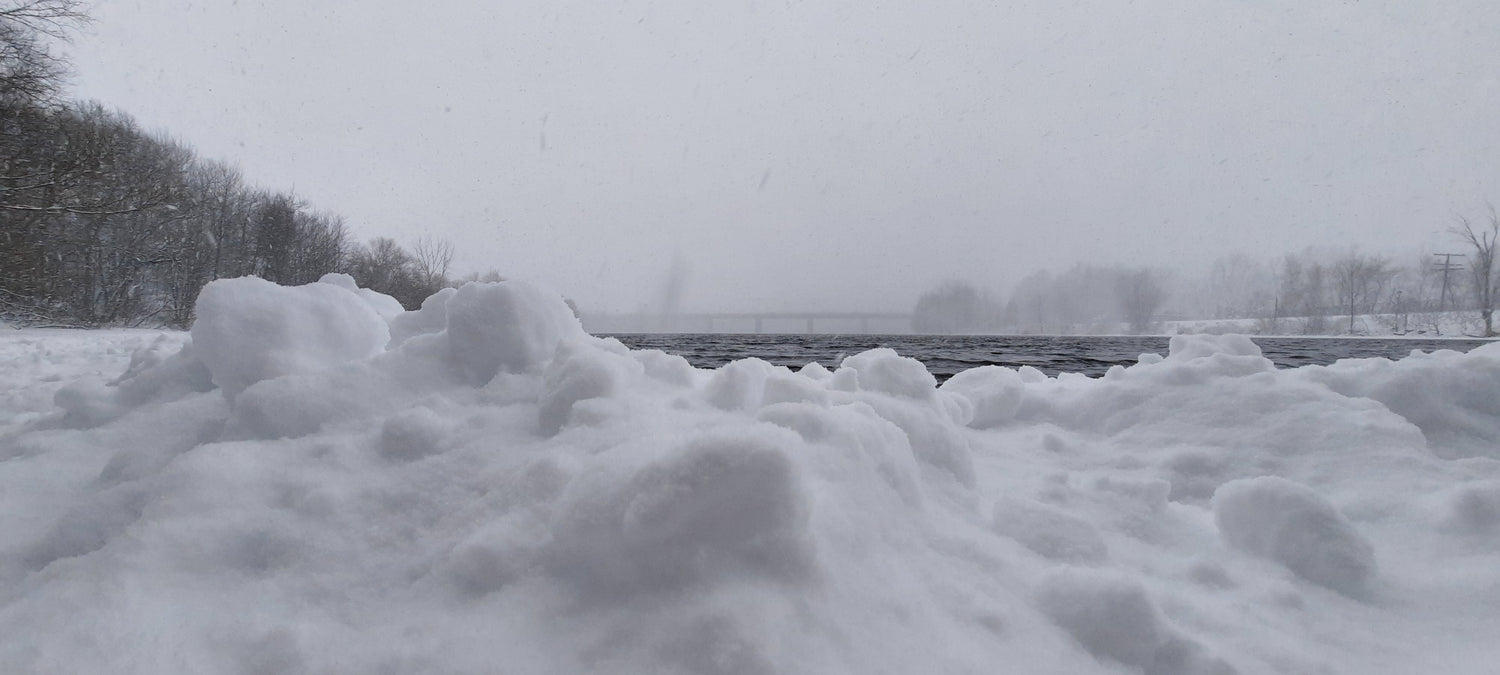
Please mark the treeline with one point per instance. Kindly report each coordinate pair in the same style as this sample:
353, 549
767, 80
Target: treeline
1086, 299
103, 223
1321, 292
1312, 292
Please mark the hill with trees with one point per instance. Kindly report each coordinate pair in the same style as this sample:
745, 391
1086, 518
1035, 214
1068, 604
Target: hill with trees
104, 223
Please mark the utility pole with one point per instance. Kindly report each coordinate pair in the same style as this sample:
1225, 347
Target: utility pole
1446, 266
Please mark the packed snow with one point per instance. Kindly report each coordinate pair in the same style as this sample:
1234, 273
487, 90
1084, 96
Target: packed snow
312, 482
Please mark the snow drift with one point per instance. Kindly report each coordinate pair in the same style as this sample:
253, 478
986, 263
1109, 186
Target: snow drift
313, 482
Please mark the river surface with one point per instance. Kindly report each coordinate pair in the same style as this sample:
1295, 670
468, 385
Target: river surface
946, 355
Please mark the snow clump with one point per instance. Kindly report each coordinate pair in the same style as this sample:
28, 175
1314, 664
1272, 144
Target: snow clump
249, 330
1114, 618
1289, 523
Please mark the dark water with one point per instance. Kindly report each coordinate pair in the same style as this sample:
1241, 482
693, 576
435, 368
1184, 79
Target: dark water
946, 355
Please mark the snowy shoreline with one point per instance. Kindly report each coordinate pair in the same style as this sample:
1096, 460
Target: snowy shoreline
314, 481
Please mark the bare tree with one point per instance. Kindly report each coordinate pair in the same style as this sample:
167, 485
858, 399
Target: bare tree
1303, 291
275, 242
384, 266
1359, 281
52, 18
1032, 303
1237, 287
30, 75
1409, 284
1485, 283
1141, 294
221, 208
380, 264
954, 307
97, 224
431, 257
29, 72
104, 223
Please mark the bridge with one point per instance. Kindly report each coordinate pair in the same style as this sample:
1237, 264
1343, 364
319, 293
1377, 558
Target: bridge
750, 322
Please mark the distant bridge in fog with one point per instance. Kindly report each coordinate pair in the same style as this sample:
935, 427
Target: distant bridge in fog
750, 322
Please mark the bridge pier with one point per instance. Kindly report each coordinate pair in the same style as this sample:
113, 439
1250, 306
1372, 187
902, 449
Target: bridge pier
757, 325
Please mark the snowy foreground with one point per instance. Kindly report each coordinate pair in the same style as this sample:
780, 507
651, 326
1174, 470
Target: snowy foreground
315, 482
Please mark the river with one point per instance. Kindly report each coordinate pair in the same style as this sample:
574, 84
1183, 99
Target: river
946, 355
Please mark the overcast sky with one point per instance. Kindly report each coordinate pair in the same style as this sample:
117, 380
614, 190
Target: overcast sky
832, 154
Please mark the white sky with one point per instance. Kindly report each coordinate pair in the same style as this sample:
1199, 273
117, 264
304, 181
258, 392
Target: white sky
834, 154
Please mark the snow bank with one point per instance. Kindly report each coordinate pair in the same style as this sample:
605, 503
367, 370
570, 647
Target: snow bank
1453, 398
313, 482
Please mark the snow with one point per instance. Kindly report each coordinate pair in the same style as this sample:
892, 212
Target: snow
994, 392
1291, 524
384, 305
312, 482
510, 327
1114, 618
249, 330
1419, 325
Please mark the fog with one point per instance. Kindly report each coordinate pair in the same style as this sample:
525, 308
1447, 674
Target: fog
788, 156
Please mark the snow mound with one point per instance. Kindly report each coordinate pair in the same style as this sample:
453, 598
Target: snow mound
313, 482
1289, 523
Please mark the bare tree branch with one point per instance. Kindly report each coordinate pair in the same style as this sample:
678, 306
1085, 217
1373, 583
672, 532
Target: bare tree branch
1484, 282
